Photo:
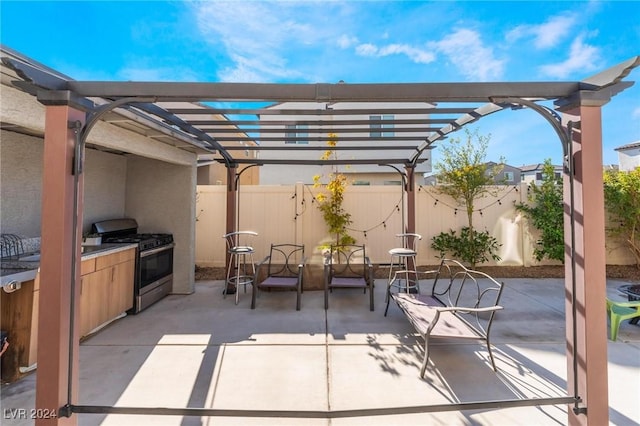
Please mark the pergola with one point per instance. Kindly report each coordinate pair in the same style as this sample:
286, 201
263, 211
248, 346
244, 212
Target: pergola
73, 107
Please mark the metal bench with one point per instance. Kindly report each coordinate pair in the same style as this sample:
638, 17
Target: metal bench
462, 304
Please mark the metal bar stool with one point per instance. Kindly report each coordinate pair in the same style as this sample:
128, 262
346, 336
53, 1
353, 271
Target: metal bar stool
239, 251
403, 258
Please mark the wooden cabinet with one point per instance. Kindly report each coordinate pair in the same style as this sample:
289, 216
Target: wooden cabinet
107, 290
19, 318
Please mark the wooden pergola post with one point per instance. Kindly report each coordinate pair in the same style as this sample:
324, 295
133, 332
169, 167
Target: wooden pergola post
58, 338
410, 190
411, 200
585, 265
231, 220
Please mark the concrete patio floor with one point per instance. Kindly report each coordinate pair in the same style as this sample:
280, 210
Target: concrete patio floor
204, 351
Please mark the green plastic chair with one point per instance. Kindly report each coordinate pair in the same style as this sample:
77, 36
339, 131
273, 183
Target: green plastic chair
620, 311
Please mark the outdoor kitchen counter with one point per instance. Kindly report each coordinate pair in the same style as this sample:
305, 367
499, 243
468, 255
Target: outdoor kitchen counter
26, 267
106, 292
91, 252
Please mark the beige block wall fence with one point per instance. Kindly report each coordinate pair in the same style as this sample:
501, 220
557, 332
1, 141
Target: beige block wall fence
287, 214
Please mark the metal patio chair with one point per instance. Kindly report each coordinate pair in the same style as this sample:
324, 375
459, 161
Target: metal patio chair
283, 268
347, 266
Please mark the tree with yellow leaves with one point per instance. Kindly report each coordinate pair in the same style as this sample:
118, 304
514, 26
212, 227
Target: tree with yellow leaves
330, 204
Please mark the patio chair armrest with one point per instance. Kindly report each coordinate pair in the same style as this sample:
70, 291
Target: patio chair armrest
262, 262
369, 267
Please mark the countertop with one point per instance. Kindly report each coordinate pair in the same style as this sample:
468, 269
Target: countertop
25, 267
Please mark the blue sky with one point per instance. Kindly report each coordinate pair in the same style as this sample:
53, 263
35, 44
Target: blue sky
354, 41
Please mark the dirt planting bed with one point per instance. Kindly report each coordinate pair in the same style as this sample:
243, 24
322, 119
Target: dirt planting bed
622, 272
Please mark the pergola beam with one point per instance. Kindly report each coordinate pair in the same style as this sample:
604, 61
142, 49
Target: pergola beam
311, 122
322, 92
293, 148
353, 161
319, 112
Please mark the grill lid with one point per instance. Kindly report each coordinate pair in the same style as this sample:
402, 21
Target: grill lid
114, 227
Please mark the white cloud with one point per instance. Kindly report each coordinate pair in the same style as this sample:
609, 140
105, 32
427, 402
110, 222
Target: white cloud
259, 36
345, 42
257, 70
366, 49
545, 35
414, 54
636, 113
475, 61
582, 58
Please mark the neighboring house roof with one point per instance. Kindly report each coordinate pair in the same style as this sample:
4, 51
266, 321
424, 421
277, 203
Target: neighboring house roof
536, 167
531, 167
632, 145
506, 166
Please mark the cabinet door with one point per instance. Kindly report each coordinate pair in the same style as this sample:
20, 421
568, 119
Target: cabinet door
94, 298
121, 292
16, 316
33, 345
85, 305
107, 292
115, 258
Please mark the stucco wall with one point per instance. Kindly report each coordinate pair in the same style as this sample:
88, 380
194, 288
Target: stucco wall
21, 184
279, 175
629, 159
161, 197
153, 182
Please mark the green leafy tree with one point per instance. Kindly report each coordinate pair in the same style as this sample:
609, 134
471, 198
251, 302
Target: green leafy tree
622, 200
464, 175
545, 212
330, 204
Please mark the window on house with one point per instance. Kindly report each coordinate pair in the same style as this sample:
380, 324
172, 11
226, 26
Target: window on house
375, 127
392, 182
361, 182
508, 176
300, 131
538, 175
378, 129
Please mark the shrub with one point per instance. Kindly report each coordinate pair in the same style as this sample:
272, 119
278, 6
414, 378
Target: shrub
470, 246
622, 200
546, 213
